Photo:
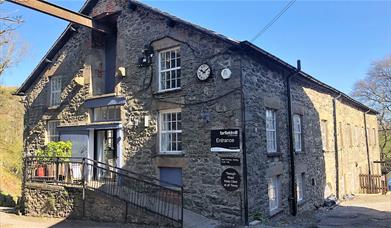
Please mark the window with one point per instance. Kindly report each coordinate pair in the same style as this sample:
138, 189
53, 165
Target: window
107, 113
300, 187
170, 131
271, 135
170, 176
297, 132
374, 136
55, 91
323, 129
52, 131
274, 192
169, 69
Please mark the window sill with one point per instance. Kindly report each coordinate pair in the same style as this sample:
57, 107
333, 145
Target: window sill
167, 91
276, 211
102, 96
178, 154
274, 154
53, 107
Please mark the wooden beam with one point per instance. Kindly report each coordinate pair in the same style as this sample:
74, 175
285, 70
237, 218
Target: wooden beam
59, 12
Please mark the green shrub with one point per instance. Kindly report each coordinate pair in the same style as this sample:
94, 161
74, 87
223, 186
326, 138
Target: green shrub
56, 149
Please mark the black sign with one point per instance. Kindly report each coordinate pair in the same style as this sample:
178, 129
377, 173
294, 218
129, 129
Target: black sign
225, 140
230, 179
230, 161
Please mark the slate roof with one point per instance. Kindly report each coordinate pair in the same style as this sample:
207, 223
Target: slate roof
87, 7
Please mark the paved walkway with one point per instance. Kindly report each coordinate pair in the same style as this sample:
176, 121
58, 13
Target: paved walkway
362, 211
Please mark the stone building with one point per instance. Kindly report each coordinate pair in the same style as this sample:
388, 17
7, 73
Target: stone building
154, 88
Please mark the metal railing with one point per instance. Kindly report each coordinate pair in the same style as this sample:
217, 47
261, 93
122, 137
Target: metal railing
142, 192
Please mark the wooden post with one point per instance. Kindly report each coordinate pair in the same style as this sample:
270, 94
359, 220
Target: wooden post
57, 171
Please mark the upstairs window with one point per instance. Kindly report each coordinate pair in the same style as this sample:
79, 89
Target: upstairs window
55, 90
297, 134
52, 131
107, 113
271, 134
323, 129
171, 132
170, 69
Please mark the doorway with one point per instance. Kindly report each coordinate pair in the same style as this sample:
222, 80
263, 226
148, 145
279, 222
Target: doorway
105, 151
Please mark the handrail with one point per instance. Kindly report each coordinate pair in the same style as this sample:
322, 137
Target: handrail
115, 167
146, 194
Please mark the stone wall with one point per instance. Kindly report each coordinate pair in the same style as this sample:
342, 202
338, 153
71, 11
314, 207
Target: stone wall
265, 87
45, 200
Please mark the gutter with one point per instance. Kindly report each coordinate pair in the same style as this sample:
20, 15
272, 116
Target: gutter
293, 197
336, 145
244, 148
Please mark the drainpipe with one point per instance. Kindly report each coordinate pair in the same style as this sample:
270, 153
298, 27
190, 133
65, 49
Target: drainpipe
244, 149
367, 147
293, 197
336, 146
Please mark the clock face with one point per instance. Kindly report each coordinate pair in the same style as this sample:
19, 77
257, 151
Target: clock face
203, 72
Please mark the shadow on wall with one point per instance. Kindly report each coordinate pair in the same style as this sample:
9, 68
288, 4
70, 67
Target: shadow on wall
266, 90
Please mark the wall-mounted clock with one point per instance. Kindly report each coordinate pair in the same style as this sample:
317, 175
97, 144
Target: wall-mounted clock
203, 72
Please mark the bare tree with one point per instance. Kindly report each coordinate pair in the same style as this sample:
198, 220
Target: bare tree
375, 91
11, 50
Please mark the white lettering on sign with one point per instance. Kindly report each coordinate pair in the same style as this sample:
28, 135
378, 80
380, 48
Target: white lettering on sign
224, 140
229, 132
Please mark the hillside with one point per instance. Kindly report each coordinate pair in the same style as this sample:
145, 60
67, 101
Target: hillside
11, 125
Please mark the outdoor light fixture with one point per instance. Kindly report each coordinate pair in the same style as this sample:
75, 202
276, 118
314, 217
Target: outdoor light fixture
146, 59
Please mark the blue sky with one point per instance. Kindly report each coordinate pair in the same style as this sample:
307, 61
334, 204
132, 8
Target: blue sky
335, 40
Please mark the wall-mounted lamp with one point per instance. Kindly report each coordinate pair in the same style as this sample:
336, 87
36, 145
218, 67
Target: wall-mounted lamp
48, 60
146, 59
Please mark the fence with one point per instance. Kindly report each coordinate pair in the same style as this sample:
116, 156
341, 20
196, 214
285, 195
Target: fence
373, 184
143, 192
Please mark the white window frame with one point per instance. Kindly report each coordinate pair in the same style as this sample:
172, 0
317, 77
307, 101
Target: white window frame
297, 132
274, 192
161, 131
55, 91
52, 126
300, 187
272, 131
176, 69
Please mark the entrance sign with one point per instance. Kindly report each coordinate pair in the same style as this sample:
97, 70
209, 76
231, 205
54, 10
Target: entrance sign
225, 140
230, 161
230, 179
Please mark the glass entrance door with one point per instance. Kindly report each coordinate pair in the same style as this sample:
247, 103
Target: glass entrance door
105, 151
